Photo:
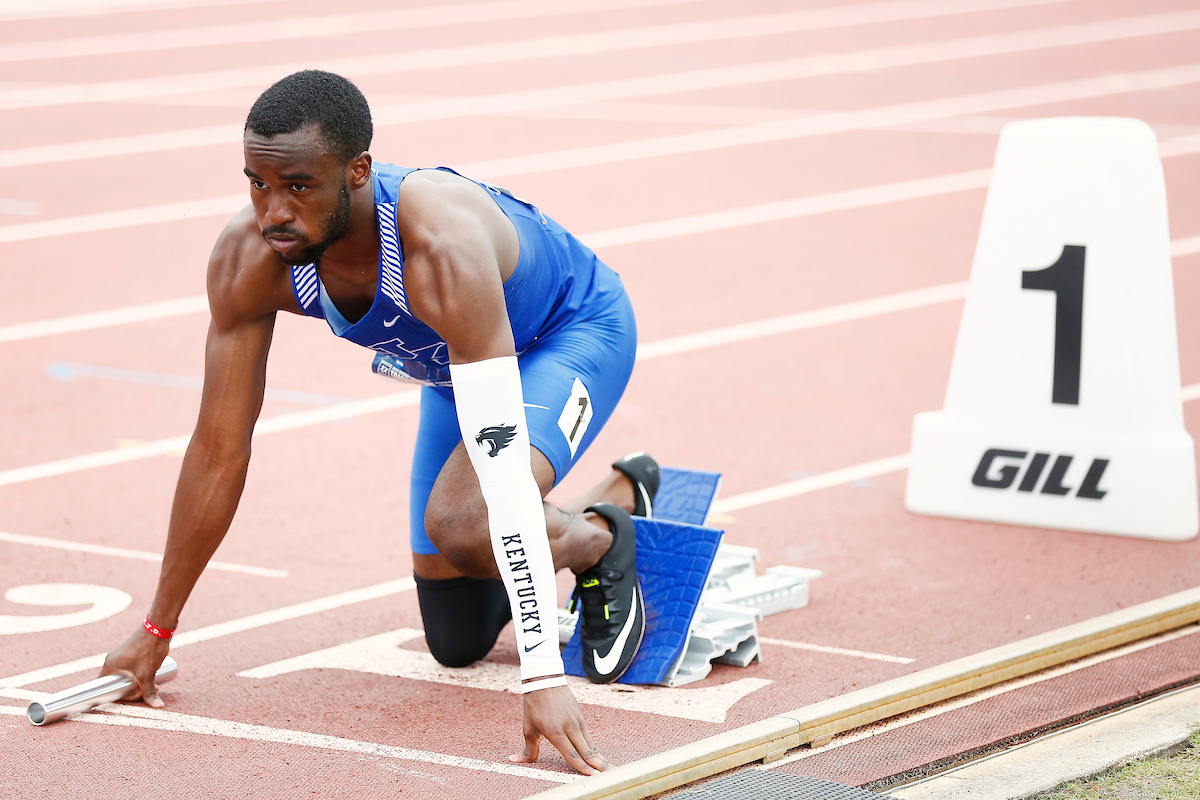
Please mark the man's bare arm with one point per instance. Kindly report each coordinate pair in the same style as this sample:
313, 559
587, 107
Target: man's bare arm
241, 297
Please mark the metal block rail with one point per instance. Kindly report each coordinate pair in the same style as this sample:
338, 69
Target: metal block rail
720, 632
782, 588
725, 630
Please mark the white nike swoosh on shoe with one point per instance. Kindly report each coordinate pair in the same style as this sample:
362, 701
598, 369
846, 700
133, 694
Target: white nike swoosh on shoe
387, 324
646, 501
606, 664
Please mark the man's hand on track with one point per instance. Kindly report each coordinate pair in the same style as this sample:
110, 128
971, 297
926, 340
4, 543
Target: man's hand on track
554, 714
139, 657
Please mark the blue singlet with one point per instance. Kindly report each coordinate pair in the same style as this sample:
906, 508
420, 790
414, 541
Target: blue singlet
572, 325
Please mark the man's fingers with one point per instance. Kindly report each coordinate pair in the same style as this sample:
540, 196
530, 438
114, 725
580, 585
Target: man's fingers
152, 699
572, 754
532, 743
588, 751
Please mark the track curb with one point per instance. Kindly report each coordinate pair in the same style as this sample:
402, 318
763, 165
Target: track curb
1154, 728
769, 739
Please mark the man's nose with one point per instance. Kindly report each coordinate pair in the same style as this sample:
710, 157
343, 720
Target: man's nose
279, 210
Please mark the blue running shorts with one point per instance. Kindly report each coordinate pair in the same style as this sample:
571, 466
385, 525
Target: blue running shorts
571, 382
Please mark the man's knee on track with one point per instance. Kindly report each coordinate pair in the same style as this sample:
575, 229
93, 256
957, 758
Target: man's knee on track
462, 616
452, 649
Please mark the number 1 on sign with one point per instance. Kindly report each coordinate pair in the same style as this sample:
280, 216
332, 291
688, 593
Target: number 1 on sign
1065, 278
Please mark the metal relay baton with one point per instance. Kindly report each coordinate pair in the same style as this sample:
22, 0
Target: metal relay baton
80, 698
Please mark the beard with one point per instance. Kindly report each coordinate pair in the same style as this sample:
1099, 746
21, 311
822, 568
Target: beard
335, 229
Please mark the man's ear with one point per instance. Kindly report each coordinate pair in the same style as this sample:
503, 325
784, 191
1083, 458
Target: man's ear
358, 171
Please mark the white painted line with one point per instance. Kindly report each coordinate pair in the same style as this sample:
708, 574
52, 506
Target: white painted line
840, 122
1185, 247
119, 552
283, 422
38, 9
182, 139
126, 218
382, 655
837, 651
788, 209
104, 602
861, 309
904, 720
558, 97
826, 480
105, 458
675, 345
840, 477
157, 719
477, 13
476, 55
728, 137
855, 198
104, 319
273, 617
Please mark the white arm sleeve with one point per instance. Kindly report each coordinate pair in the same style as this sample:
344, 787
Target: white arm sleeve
491, 416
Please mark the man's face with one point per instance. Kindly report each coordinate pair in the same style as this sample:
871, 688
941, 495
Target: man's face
299, 192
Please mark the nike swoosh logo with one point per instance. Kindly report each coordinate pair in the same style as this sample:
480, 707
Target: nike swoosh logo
539, 644
606, 664
646, 501
393, 322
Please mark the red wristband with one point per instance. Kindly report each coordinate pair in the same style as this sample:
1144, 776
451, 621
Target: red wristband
156, 631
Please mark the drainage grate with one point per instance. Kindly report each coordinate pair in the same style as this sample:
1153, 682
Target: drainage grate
756, 784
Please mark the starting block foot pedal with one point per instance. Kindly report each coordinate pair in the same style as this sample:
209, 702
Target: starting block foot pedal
686, 495
674, 561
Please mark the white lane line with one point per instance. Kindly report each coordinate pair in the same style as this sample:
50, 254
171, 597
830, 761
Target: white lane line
283, 422
558, 97
220, 629
726, 219
664, 347
841, 740
839, 477
39, 9
1185, 247
789, 209
478, 13
104, 319
111, 220
708, 140
156, 719
841, 122
120, 552
477, 55
672, 346
837, 651
813, 483
803, 320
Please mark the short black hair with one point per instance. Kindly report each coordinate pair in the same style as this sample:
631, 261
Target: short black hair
312, 97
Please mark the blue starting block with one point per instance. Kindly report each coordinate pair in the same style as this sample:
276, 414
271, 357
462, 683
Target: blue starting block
703, 598
674, 560
686, 495
675, 555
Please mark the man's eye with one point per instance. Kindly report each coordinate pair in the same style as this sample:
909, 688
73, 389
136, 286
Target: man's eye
257, 184
298, 187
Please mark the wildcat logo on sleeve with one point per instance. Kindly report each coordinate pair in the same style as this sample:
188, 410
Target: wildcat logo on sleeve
498, 437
